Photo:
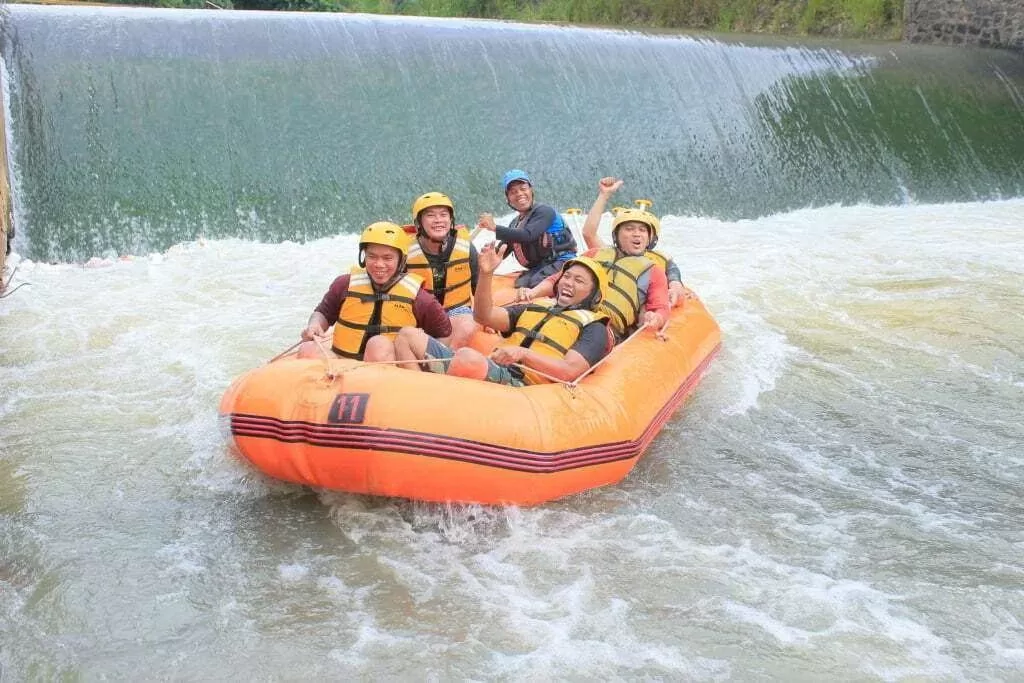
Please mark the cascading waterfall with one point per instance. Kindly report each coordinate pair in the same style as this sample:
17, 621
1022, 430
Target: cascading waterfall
138, 129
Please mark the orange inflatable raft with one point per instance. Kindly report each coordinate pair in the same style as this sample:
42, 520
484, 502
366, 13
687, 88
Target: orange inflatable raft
382, 430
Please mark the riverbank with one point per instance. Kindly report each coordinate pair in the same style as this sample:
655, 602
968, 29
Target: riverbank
877, 19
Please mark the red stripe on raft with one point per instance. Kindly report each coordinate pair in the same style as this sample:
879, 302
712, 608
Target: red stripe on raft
464, 450
349, 435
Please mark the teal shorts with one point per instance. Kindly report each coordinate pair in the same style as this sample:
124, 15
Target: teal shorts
498, 374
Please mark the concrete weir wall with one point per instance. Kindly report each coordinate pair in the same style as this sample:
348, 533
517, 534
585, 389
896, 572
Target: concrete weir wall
986, 23
6, 223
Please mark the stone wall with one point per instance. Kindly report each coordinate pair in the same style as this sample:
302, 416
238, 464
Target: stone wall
988, 23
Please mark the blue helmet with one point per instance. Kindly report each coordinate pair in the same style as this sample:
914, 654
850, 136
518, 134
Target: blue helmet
512, 176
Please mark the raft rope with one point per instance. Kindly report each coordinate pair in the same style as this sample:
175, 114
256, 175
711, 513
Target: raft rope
285, 352
598, 364
331, 373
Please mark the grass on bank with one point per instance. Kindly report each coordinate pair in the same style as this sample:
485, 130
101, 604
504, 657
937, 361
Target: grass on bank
838, 18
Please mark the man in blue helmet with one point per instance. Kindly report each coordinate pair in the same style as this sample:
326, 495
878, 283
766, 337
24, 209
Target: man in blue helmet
539, 238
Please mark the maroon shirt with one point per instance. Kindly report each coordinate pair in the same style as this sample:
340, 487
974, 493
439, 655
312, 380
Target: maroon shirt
430, 315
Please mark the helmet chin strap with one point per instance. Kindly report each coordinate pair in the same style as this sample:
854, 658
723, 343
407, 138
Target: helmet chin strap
399, 272
420, 230
391, 281
509, 203
586, 303
590, 302
439, 243
624, 252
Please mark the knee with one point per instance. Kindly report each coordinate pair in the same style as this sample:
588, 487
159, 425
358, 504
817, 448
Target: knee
379, 348
462, 329
408, 334
469, 363
411, 338
411, 342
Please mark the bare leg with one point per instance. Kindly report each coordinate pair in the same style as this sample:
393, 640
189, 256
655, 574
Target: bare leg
468, 363
379, 348
463, 328
411, 344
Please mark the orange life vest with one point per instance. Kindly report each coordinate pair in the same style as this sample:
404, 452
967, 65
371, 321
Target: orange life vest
366, 312
452, 287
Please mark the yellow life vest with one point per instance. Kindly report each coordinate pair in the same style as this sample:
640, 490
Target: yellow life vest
366, 312
658, 258
549, 332
454, 283
623, 300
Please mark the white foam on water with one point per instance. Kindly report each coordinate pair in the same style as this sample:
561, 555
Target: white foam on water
839, 496
293, 573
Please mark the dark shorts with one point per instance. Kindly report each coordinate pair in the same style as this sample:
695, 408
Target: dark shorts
498, 374
533, 277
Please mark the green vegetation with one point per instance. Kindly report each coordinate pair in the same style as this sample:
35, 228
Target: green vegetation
847, 18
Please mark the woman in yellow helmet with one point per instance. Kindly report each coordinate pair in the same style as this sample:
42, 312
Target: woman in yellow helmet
370, 304
443, 254
550, 338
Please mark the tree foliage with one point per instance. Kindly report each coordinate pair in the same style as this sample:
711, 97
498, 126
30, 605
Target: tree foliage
873, 18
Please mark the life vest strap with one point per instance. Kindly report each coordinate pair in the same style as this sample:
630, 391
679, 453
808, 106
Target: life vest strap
533, 336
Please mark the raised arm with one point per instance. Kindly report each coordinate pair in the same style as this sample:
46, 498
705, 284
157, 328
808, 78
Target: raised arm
484, 310
606, 187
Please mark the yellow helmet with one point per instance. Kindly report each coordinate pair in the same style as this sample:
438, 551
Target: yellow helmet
428, 200
638, 216
387, 234
595, 267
